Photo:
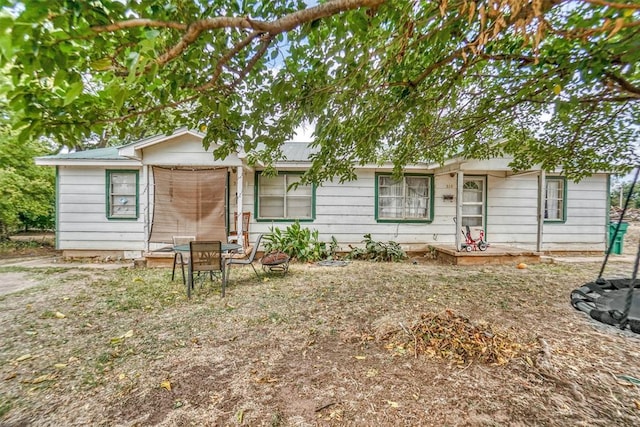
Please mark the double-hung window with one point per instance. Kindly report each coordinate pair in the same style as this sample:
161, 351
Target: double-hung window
555, 199
122, 194
406, 199
277, 200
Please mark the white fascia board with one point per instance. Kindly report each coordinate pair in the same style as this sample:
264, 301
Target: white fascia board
290, 165
307, 165
224, 164
419, 166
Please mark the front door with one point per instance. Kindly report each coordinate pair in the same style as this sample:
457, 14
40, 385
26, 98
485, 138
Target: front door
473, 201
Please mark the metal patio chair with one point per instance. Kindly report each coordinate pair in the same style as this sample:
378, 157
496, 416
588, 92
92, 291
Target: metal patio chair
206, 256
179, 256
246, 260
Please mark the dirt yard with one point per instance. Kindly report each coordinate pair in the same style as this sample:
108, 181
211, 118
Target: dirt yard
360, 345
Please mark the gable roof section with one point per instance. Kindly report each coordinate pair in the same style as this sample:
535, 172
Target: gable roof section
134, 149
124, 155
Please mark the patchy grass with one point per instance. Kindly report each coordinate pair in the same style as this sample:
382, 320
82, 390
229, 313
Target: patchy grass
31, 246
319, 346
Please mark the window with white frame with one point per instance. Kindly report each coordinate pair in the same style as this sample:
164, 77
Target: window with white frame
554, 203
122, 194
408, 198
277, 200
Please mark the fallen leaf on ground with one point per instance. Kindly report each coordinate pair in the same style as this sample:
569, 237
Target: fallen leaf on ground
118, 340
43, 378
166, 385
24, 357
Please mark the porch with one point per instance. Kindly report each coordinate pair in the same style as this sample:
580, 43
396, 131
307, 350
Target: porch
495, 254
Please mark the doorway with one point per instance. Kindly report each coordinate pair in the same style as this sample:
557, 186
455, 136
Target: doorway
474, 201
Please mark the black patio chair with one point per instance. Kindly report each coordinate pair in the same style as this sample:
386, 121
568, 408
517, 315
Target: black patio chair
205, 257
180, 257
246, 260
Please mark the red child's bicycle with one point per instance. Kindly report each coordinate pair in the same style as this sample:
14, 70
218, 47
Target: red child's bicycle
471, 244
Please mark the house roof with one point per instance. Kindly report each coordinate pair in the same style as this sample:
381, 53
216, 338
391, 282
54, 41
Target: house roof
296, 151
108, 153
295, 154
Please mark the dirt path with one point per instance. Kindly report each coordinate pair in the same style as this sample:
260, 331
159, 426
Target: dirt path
21, 275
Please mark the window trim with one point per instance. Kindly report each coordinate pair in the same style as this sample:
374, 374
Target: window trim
256, 201
108, 174
402, 220
564, 200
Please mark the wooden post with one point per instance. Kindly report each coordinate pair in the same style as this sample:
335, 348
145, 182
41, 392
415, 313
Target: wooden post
147, 208
239, 207
541, 201
459, 188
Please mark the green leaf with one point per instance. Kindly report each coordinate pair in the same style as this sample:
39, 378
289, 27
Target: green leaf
60, 79
119, 98
101, 64
73, 92
5, 45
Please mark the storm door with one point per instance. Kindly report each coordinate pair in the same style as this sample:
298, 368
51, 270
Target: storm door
473, 201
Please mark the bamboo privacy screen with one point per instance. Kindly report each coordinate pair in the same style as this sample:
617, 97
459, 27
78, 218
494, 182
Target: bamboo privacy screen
189, 202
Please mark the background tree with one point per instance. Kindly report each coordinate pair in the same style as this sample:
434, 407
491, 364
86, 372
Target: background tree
27, 191
551, 82
620, 191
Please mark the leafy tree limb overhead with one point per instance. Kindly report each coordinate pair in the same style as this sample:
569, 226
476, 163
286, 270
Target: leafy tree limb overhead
552, 82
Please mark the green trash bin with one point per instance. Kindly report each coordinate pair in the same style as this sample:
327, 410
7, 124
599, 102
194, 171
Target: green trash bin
617, 243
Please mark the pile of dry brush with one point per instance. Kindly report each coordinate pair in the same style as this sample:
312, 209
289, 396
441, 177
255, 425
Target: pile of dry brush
452, 337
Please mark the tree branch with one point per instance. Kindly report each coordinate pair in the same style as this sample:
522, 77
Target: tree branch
252, 62
623, 83
226, 58
613, 5
134, 23
149, 110
278, 26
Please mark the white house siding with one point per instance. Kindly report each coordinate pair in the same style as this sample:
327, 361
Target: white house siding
82, 217
184, 151
512, 206
586, 224
512, 210
347, 212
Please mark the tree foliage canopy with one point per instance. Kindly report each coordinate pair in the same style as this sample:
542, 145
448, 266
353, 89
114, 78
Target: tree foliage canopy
551, 82
27, 192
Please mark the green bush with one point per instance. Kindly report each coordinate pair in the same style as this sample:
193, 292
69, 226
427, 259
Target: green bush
377, 251
297, 242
